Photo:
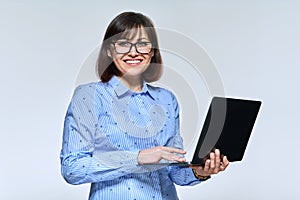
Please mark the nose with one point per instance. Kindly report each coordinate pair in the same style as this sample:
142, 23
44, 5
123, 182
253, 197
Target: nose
133, 51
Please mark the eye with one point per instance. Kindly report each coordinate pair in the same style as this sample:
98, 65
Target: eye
123, 43
142, 44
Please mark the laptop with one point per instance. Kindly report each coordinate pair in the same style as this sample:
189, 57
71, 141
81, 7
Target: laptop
227, 127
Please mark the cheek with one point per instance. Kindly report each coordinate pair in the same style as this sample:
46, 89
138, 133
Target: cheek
148, 58
117, 58
151, 56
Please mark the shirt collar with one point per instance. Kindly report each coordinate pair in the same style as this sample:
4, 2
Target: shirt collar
121, 89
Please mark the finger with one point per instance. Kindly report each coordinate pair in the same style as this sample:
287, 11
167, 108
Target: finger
181, 159
218, 162
225, 162
217, 159
212, 160
207, 165
173, 150
171, 156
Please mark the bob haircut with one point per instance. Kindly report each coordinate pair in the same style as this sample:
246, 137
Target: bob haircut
127, 24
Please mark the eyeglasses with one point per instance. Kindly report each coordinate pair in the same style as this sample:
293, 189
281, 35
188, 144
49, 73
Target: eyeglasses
123, 47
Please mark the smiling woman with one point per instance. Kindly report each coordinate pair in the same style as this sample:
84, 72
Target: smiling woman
122, 31
132, 62
115, 126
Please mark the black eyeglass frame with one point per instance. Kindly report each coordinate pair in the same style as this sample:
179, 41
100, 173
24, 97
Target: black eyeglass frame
133, 44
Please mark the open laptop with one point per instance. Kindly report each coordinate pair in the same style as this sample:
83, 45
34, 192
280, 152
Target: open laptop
227, 127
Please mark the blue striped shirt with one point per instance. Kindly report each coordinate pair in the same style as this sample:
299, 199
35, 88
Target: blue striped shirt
105, 127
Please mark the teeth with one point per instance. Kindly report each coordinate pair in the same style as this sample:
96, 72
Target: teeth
132, 61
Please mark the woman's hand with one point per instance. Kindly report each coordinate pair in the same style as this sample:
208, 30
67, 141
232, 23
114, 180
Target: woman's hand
155, 154
213, 165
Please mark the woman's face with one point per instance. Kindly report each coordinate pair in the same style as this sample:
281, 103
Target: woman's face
132, 54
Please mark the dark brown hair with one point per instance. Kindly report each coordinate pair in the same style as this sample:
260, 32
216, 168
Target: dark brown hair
120, 26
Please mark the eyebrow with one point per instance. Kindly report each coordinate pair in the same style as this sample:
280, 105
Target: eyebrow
139, 39
143, 39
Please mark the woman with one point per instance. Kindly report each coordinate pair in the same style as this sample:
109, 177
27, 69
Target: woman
113, 127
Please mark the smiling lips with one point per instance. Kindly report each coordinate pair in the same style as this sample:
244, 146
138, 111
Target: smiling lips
133, 61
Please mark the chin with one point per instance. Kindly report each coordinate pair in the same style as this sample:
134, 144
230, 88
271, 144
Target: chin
133, 74
135, 70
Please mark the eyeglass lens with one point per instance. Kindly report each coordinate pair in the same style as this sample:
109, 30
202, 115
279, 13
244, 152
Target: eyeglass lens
125, 47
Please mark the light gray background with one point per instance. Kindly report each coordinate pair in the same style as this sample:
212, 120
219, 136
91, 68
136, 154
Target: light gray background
254, 45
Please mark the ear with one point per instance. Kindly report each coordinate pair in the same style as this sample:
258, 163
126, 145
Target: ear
151, 54
108, 53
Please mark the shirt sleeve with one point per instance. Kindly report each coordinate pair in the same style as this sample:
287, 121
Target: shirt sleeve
80, 163
180, 175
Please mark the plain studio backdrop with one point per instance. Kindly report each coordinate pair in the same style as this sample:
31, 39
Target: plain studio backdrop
254, 46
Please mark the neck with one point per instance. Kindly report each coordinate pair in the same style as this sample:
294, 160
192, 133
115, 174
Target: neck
134, 84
